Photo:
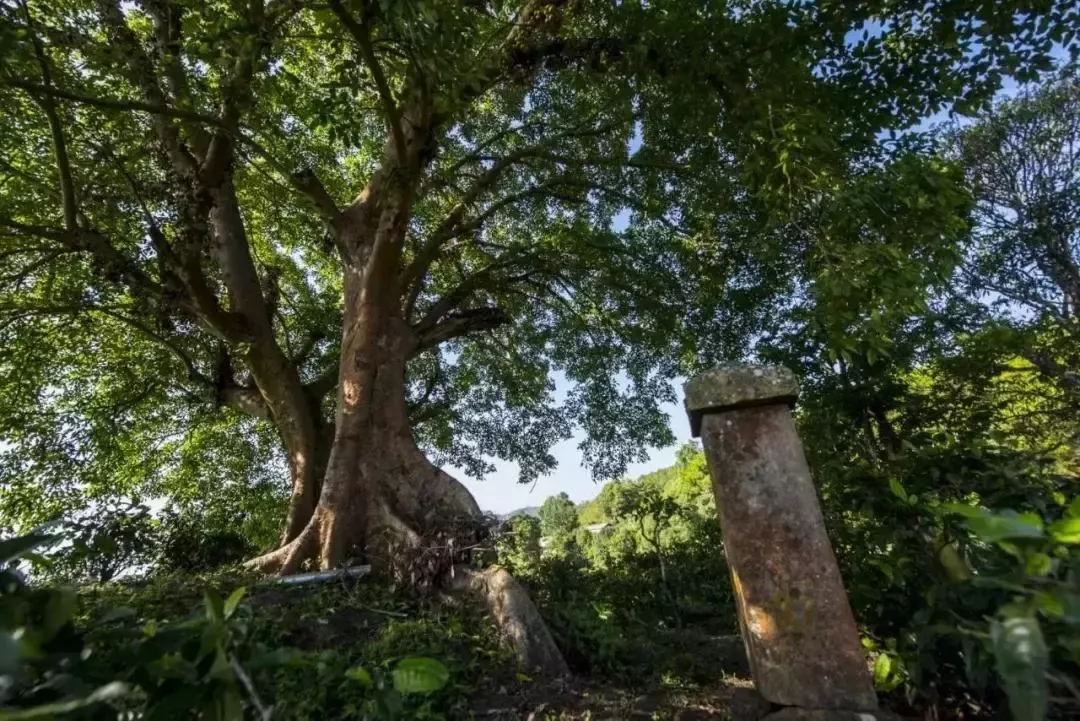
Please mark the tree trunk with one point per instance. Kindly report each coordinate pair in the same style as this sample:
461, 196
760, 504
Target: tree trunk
379, 491
308, 458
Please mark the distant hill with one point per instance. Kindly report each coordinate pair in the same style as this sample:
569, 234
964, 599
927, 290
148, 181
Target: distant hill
533, 511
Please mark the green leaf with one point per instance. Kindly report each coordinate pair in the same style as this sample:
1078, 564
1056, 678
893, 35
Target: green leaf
177, 704
1050, 604
882, 667
1000, 527
1066, 530
420, 675
1021, 658
107, 692
953, 562
215, 609
233, 601
221, 667
1074, 508
361, 676
1038, 564
12, 549
963, 509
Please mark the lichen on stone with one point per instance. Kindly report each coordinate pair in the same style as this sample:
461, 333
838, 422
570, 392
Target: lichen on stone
737, 385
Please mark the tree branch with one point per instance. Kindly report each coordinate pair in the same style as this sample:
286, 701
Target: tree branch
236, 93
461, 323
304, 181
324, 382
241, 398
312, 188
362, 36
63, 162
115, 103
141, 74
80, 239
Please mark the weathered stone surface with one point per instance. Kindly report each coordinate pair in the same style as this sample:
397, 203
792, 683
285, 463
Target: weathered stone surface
737, 386
801, 714
800, 634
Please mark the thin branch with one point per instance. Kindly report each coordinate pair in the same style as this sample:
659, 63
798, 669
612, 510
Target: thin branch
236, 91
81, 239
56, 130
304, 180
360, 33
266, 713
115, 103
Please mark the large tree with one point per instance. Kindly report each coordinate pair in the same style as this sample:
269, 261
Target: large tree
379, 226
1022, 265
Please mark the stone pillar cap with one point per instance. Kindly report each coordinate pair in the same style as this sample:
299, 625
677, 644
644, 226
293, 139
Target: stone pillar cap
738, 385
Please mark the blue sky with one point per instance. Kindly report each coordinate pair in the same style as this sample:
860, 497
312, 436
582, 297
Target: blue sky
500, 492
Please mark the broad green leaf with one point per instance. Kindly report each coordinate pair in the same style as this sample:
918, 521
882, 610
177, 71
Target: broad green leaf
963, 509
215, 609
882, 667
1066, 530
1074, 508
419, 675
232, 705
233, 601
1050, 604
897, 489
954, 564
1000, 527
1038, 564
175, 705
221, 668
360, 675
1021, 658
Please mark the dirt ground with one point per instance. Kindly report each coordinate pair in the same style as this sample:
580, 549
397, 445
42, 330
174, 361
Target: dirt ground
732, 700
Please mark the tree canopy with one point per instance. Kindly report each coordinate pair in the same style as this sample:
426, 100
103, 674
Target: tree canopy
228, 224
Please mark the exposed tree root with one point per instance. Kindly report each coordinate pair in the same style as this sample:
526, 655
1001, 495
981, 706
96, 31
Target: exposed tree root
288, 558
422, 509
516, 616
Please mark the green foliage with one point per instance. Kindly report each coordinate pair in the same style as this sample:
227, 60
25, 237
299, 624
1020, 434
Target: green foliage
1043, 587
643, 598
158, 650
615, 192
518, 544
558, 516
42, 661
108, 541
197, 543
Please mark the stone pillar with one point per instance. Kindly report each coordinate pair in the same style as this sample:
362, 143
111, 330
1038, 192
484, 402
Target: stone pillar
800, 635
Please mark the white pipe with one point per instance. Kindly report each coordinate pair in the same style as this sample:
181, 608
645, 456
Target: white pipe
321, 576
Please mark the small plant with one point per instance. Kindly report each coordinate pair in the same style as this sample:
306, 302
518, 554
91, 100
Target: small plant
415, 676
44, 670
1034, 637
